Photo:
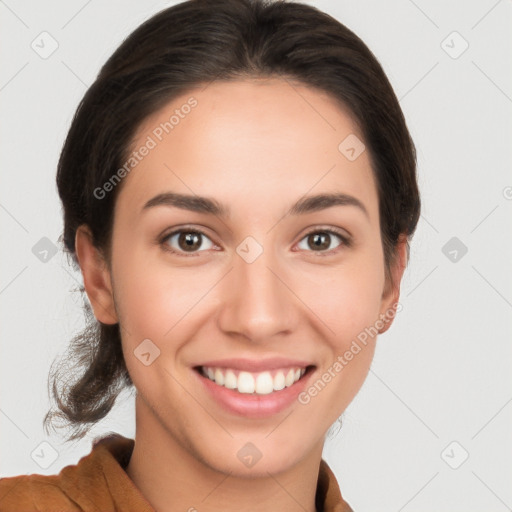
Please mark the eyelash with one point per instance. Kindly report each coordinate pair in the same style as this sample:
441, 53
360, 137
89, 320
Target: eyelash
345, 240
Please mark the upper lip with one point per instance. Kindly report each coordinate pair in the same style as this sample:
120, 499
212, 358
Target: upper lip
256, 365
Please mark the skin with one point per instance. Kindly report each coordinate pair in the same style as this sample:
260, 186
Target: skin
256, 146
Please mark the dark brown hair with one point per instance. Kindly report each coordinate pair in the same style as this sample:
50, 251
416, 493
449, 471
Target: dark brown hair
183, 46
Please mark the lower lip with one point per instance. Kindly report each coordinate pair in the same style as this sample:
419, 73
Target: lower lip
252, 405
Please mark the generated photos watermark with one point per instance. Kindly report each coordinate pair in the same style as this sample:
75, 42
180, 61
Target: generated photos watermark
343, 360
151, 142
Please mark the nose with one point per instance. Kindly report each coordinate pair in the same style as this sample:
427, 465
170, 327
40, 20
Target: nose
258, 303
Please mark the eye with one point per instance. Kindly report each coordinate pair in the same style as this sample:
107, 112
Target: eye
190, 240
185, 241
320, 240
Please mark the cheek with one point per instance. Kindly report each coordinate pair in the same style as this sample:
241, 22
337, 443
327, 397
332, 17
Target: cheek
151, 303
348, 302
347, 298
149, 299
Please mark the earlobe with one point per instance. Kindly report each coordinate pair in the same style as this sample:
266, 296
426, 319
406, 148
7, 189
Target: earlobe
96, 276
391, 295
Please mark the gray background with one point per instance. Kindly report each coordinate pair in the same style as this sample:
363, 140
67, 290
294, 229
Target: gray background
439, 388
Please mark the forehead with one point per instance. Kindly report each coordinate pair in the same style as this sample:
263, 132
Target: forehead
250, 142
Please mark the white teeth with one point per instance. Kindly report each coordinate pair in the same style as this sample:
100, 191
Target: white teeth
219, 377
230, 380
260, 383
290, 377
245, 382
279, 381
264, 383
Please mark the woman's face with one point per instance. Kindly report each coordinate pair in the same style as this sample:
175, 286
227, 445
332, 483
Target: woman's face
268, 287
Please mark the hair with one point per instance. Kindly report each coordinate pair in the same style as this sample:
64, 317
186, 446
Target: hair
192, 43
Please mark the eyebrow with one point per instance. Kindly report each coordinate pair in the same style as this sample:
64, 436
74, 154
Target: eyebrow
211, 206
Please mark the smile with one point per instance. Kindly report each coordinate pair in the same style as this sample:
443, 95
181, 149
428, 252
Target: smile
254, 388
261, 383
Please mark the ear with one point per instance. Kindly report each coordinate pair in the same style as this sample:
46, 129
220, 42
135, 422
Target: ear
96, 275
391, 294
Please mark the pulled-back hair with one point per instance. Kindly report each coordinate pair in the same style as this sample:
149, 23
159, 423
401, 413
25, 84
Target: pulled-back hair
192, 43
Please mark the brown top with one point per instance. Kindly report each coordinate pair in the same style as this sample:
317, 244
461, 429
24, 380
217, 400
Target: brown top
99, 482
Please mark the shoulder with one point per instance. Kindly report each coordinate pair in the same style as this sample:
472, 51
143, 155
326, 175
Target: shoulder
33, 492
329, 498
85, 486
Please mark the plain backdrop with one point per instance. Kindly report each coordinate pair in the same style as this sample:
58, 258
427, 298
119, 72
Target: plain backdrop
431, 427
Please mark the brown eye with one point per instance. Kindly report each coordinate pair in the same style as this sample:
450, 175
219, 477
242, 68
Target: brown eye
186, 241
321, 241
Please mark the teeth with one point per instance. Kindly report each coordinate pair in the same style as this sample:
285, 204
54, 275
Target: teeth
245, 382
262, 383
279, 382
219, 377
230, 380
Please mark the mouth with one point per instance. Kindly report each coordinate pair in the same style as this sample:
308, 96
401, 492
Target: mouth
254, 388
267, 382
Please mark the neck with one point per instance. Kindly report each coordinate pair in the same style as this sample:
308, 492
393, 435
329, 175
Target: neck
172, 478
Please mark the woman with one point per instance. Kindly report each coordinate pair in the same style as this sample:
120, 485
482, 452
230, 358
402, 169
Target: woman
239, 189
